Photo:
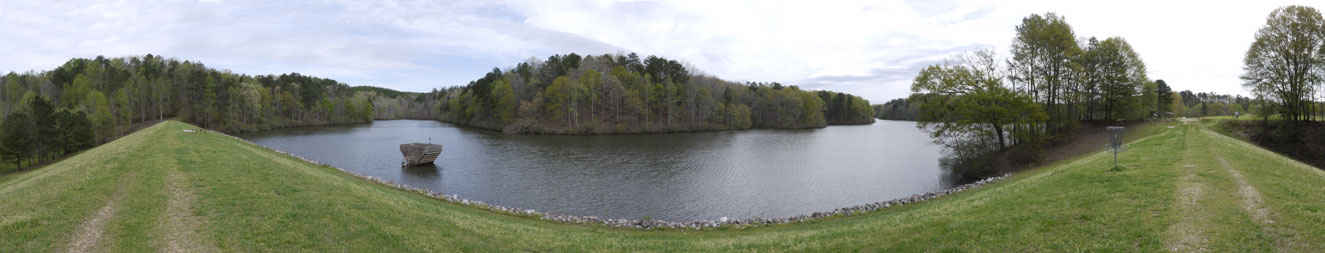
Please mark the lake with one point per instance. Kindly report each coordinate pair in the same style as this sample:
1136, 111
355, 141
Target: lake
674, 177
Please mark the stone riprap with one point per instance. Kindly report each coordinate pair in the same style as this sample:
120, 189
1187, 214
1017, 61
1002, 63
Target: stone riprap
651, 224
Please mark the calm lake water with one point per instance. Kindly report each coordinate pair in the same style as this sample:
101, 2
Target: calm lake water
674, 177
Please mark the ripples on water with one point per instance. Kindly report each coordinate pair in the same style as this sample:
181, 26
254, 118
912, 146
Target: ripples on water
681, 176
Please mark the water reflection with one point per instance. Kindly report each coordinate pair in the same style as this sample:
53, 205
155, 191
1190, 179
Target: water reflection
426, 171
682, 176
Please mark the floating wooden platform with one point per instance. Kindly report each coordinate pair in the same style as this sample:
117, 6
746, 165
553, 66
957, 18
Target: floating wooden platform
420, 153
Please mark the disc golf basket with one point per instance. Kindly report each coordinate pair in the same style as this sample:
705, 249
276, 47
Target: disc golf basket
1115, 144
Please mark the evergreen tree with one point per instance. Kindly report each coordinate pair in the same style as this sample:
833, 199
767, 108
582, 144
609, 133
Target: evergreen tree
42, 121
1163, 90
17, 136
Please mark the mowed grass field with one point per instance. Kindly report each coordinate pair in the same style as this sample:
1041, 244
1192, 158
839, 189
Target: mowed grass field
1184, 188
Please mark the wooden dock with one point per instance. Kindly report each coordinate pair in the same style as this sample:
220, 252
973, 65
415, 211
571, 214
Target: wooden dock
420, 153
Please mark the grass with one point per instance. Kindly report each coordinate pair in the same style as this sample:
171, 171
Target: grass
248, 199
1254, 117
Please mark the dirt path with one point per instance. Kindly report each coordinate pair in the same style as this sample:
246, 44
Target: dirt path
1251, 198
1252, 203
89, 233
1190, 234
178, 223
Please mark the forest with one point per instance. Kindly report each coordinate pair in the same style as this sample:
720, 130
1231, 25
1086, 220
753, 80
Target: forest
896, 109
619, 94
111, 95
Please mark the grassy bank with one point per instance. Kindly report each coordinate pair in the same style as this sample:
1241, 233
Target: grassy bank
1184, 188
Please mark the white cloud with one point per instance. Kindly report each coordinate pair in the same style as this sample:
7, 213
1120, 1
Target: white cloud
871, 48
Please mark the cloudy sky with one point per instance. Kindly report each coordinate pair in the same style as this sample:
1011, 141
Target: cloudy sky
869, 48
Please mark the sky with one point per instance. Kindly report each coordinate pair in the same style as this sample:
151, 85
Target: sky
868, 48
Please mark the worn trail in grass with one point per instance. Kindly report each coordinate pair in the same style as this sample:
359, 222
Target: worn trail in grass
1184, 188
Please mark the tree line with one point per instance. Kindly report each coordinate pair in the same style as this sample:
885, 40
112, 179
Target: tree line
41, 133
896, 109
1188, 104
991, 112
1181, 104
611, 94
110, 95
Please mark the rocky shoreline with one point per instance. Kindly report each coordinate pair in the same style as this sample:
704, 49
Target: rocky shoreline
651, 224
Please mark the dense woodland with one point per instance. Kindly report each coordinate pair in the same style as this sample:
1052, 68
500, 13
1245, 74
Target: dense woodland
112, 94
611, 94
896, 109
41, 133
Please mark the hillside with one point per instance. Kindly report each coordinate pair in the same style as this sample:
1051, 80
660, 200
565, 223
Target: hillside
1185, 188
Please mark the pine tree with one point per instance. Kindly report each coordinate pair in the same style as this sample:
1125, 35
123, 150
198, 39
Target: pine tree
17, 138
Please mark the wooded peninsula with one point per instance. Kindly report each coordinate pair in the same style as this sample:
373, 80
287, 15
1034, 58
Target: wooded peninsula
616, 94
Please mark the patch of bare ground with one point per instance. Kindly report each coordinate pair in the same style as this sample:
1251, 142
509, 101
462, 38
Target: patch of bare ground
1089, 138
179, 223
1251, 201
1189, 234
1251, 198
89, 232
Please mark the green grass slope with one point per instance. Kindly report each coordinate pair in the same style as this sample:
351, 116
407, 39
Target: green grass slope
161, 189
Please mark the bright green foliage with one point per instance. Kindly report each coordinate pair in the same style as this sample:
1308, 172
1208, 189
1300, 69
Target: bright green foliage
77, 92
626, 94
327, 107
251, 101
366, 113
739, 116
1119, 75
1176, 105
101, 115
1042, 64
1147, 101
1284, 63
966, 108
503, 101
963, 100
561, 96
590, 85
812, 109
